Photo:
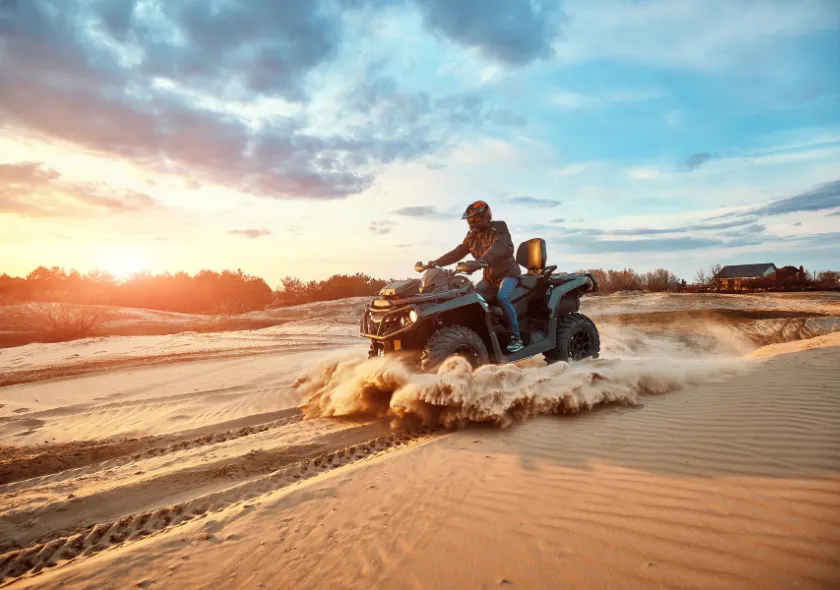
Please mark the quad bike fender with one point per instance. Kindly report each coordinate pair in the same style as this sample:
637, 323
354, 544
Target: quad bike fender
464, 301
565, 299
474, 308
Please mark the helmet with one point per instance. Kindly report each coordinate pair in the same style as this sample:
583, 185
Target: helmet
478, 215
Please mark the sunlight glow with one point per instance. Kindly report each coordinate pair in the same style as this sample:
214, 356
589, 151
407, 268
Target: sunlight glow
124, 262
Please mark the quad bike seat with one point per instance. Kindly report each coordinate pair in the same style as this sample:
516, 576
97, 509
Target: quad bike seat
533, 256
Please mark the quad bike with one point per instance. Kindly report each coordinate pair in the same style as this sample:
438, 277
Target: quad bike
442, 315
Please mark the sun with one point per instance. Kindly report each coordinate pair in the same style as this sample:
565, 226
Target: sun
125, 262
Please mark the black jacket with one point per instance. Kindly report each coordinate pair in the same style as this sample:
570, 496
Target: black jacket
493, 246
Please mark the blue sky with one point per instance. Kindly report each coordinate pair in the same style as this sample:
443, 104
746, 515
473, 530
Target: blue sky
308, 138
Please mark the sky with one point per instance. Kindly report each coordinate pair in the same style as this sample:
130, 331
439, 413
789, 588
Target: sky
298, 138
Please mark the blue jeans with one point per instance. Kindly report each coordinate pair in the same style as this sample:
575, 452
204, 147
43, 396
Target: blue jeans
503, 297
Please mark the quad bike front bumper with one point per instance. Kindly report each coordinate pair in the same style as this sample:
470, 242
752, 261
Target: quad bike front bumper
386, 324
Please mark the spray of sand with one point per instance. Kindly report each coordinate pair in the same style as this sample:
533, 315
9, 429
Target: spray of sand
494, 394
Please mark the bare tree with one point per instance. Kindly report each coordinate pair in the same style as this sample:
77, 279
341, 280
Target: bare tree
623, 280
701, 278
659, 280
828, 278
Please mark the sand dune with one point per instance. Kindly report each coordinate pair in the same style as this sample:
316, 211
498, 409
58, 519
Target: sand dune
688, 456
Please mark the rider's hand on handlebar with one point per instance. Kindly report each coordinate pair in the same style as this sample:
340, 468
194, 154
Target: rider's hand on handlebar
468, 266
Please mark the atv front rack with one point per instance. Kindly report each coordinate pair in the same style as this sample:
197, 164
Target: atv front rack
384, 321
426, 297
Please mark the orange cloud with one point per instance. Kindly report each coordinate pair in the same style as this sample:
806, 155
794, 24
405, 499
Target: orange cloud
30, 189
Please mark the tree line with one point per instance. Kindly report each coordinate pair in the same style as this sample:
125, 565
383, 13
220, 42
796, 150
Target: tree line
654, 281
206, 292
293, 291
236, 292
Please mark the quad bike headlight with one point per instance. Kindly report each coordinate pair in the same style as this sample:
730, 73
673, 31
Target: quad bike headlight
412, 316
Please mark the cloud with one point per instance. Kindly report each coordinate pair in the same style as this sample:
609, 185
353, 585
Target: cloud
413, 244
381, 227
644, 173
662, 245
102, 76
694, 161
753, 237
419, 211
535, 202
559, 230
13, 206
819, 198
513, 32
835, 214
697, 34
407, 124
570, 170
647, 231
61, 81
130, 201
744, 232
570, 100
740, 228
581, 231
505, 118
265, 46
575, 101
251, 233
27, 173
799, 223
600, 241
830, 239
30, 189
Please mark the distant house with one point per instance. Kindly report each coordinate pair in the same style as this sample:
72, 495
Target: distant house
790, 273
734, 275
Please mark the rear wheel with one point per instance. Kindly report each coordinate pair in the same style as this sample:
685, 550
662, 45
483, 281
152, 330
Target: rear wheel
453, 341
577, 339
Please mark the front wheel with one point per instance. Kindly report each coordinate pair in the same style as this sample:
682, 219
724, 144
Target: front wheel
453, 341
577, 339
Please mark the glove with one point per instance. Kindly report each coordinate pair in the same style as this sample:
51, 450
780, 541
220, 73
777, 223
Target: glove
468, 266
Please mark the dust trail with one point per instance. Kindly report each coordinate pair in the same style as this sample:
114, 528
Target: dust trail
494, 394
655, 336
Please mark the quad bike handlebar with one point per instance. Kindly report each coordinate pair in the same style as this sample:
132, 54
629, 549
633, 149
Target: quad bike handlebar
470, 266
466, 267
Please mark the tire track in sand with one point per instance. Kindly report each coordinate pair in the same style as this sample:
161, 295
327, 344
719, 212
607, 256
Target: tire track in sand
95, 537
53, 465
19, 376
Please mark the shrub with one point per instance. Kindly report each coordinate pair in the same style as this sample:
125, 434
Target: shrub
58, 321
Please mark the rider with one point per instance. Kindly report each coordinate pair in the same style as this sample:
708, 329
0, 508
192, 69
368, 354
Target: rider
490, 242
